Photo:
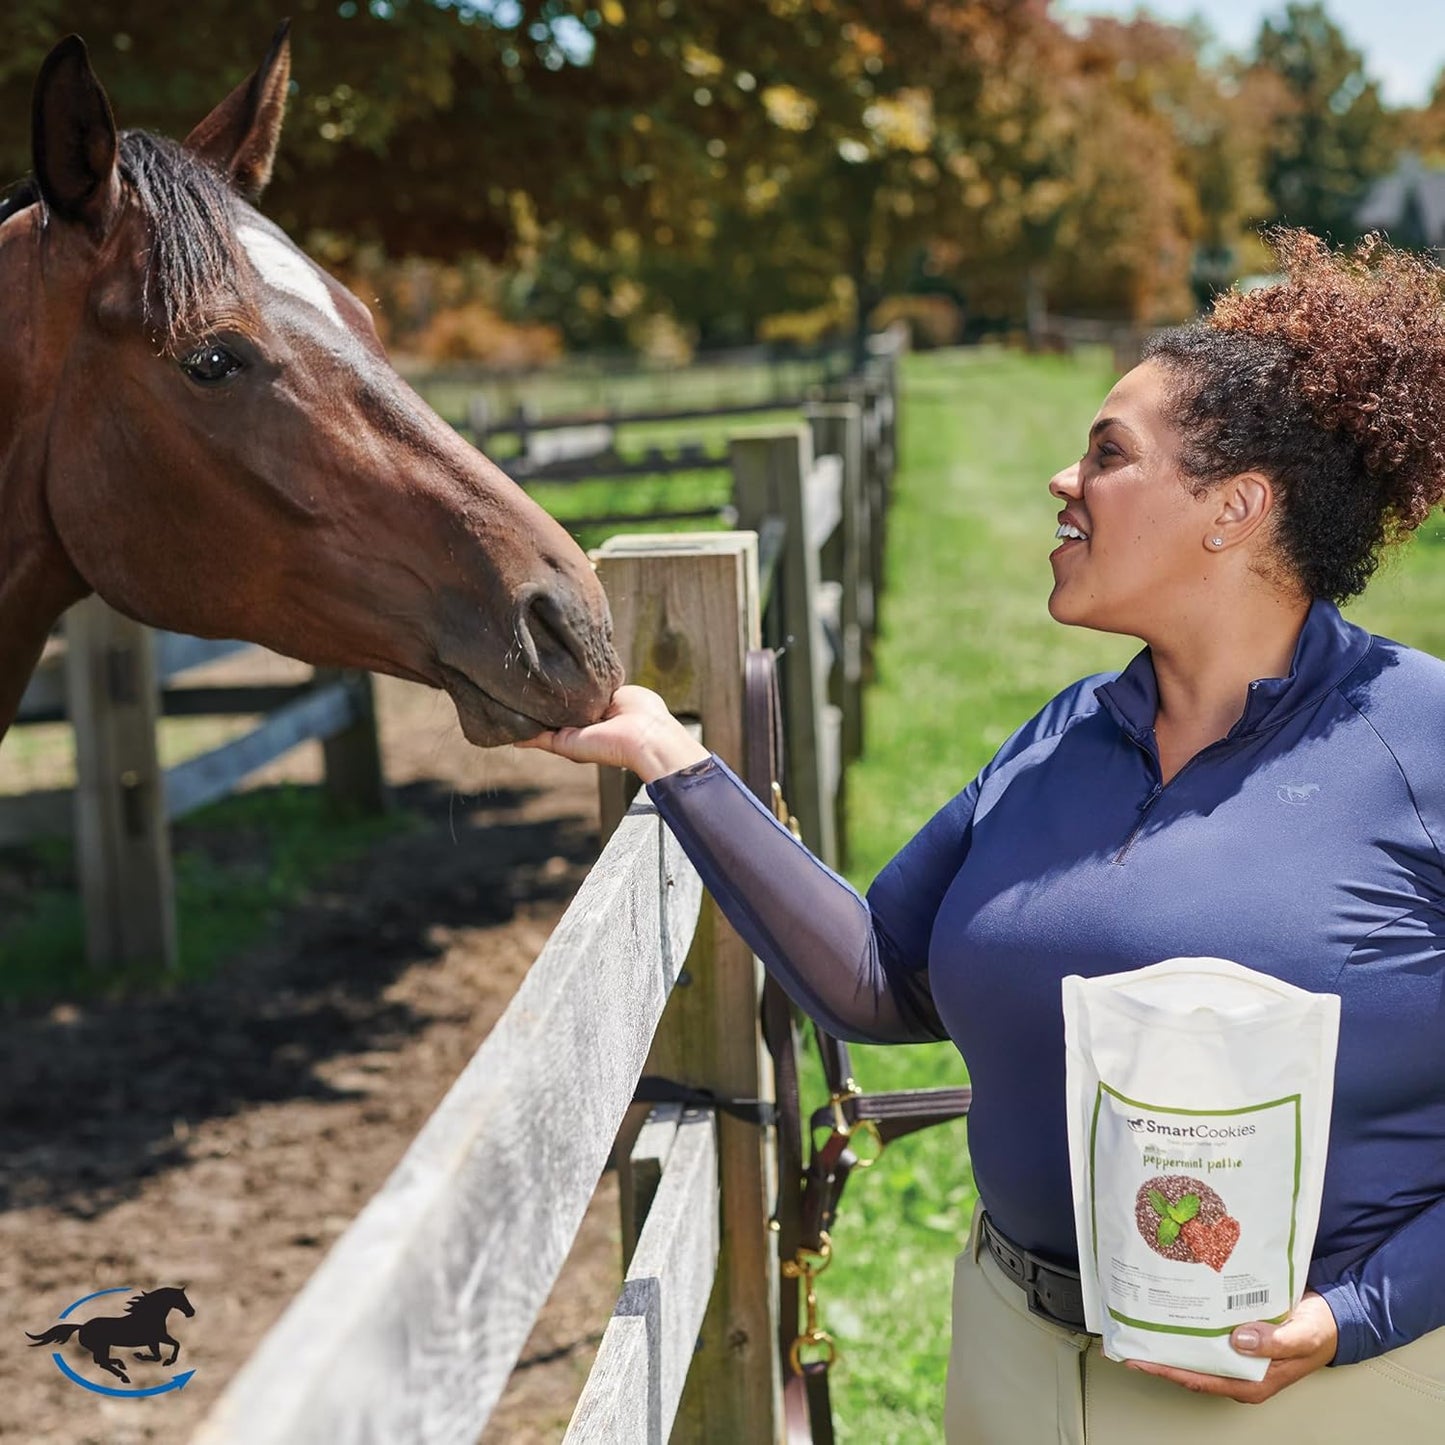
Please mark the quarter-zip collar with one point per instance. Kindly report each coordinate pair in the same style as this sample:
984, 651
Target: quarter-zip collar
1327, 651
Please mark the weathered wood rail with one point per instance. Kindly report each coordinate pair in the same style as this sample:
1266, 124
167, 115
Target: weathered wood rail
755, 378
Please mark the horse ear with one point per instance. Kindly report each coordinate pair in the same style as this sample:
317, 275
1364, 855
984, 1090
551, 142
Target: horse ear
72, 138
240, 136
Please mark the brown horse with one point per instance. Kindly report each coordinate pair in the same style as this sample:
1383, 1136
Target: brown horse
200, 425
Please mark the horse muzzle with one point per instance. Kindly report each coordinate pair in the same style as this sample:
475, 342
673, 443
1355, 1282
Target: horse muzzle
553, 666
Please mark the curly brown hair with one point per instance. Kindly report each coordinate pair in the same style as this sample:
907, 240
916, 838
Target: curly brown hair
1332, 383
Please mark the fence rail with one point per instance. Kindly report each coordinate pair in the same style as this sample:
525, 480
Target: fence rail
409, 1328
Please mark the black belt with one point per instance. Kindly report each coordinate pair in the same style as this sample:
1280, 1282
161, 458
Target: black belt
1052, 1293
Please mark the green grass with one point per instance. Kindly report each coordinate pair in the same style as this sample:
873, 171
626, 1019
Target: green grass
239, 864
968, 652
1406, 600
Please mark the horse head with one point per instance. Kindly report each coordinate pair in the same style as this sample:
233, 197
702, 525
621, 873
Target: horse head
175, 1297
215, 442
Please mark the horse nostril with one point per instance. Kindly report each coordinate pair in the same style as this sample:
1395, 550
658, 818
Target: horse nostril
550, 645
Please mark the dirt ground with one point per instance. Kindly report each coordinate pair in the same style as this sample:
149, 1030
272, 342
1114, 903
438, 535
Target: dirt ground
222, 1137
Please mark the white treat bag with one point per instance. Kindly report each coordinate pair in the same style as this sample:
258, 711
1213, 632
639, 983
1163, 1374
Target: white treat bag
1199, 1099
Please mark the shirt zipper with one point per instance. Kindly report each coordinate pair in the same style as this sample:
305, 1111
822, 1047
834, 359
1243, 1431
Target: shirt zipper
1148, 804
1144, 809
1159, 785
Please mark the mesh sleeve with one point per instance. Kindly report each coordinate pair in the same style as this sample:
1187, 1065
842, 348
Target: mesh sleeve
832, 953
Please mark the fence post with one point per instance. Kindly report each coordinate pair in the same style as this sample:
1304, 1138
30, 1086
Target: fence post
355, 782
122, 842
479, 419
868, 393
838, 431
685, 611
770, 474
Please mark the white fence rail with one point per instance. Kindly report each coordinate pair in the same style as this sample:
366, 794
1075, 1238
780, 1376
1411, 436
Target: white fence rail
410, 1327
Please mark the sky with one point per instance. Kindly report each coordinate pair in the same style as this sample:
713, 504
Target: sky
1403, 41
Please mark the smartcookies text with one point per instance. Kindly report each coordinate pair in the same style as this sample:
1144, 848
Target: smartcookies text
1191, 1131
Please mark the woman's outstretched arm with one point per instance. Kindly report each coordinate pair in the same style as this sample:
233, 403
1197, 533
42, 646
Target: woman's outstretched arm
857, 966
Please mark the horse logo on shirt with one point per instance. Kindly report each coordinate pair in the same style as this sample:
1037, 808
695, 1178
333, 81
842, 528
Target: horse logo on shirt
1296, 794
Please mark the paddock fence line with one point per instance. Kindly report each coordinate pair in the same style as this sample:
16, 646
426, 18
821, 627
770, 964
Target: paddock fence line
1125, 339
593, 388
585, 446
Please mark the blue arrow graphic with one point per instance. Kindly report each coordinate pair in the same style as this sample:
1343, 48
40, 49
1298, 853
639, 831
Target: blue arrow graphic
176, 1382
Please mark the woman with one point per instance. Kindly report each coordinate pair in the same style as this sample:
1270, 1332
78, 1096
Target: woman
1264, 782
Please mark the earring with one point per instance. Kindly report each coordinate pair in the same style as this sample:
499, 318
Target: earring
1216, 541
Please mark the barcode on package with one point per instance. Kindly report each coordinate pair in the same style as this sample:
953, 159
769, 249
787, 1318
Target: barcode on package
1249, 1297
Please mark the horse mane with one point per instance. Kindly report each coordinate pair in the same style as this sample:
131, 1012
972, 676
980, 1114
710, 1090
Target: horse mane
191, 282
136, 1301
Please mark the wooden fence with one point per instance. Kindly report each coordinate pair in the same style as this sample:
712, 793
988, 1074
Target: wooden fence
411, 1326
822, 527
114, 679
1125, 339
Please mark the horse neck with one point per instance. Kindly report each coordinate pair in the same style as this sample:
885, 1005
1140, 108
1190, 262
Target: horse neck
37, 580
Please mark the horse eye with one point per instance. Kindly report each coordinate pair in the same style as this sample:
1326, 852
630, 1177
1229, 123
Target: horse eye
211, 363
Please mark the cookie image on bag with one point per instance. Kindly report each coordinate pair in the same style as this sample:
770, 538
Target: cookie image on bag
1183, 1219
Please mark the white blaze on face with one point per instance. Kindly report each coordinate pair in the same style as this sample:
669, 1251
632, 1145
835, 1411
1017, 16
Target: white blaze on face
279, 264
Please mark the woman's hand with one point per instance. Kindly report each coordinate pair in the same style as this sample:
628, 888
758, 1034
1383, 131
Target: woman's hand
1299, 1345
635, 732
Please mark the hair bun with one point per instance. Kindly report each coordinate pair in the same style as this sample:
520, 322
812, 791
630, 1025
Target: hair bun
1366, 328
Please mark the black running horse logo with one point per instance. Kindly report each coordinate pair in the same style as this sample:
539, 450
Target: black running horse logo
143, 1323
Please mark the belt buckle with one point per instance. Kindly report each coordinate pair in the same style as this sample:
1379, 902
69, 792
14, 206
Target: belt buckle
1031, 1292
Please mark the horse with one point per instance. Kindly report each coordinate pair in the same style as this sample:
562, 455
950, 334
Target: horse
143, 1323
200, 425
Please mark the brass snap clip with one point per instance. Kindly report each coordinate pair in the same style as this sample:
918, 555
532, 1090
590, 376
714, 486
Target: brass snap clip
807, 1264
866, 1128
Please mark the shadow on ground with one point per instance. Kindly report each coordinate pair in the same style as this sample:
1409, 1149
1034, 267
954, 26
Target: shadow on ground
101, 1097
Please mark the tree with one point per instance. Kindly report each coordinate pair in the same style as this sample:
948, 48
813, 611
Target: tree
1423, 131
714, 163
1331, 135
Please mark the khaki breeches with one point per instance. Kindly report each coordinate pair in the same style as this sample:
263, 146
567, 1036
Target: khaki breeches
1014, 1379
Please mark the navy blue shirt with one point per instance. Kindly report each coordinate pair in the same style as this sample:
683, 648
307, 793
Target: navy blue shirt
1306, 844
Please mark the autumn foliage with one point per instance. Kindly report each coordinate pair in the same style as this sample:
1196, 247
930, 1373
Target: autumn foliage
621, 165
